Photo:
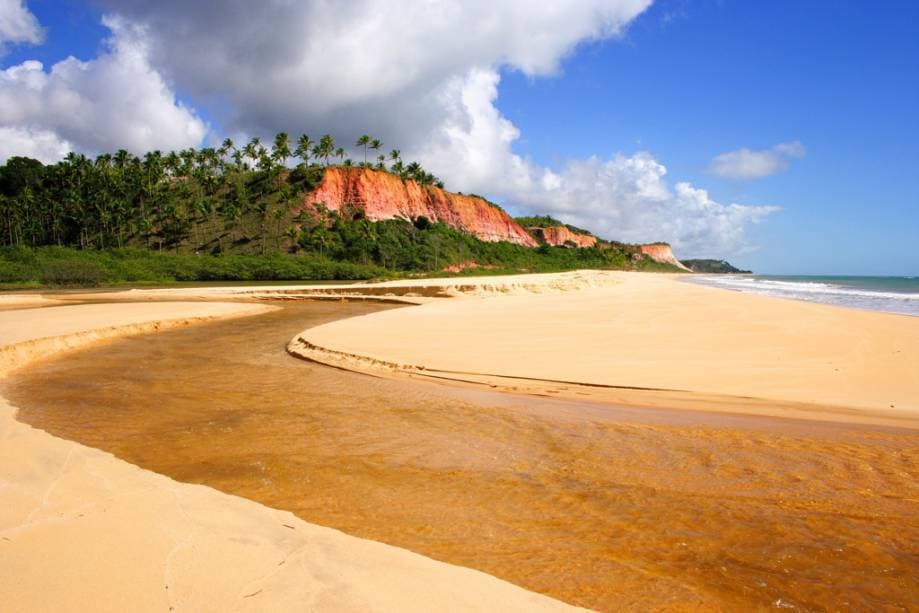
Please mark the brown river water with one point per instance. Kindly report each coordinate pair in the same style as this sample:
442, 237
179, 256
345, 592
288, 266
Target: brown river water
607, 507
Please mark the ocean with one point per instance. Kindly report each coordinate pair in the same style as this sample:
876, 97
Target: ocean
888, 294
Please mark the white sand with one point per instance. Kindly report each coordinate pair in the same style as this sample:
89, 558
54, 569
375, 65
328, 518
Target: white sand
653, 331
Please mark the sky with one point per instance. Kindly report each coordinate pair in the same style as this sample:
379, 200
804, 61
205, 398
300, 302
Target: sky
782, 136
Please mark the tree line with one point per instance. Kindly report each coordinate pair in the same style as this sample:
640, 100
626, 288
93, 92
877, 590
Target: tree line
118, 199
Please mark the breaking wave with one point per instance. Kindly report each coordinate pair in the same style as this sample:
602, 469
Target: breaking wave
887, 294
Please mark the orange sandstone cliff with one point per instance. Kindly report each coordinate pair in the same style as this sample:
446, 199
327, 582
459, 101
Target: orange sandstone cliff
562, 236
660, 252
381, 195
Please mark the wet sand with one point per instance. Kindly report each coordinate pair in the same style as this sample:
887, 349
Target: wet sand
603, 506
81, 530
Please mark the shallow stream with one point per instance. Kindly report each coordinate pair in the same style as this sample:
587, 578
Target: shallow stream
607, 507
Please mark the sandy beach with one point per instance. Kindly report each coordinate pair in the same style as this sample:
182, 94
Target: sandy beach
680, 344
617, 493
83, 531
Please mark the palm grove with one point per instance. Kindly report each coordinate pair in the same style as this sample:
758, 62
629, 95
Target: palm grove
224, 213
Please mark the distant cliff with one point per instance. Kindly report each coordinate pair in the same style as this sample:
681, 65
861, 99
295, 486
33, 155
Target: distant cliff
550, 231
714, 267
380, 195
660, 252
561, 236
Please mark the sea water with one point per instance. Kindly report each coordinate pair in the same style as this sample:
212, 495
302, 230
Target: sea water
888, 294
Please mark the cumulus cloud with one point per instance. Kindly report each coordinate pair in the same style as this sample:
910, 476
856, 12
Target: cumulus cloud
745, 164
365, 65
421, 76
623, 197
117, 100
43, 145
18, 24
628, 198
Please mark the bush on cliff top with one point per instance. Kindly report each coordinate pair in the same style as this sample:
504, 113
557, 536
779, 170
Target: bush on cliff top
546, 221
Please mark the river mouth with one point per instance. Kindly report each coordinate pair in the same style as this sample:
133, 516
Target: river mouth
607, 507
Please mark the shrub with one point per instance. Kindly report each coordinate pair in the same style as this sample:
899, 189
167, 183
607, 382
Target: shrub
14, 272
72, 272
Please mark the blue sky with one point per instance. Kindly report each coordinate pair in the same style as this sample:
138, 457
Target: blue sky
680, 84
694, 79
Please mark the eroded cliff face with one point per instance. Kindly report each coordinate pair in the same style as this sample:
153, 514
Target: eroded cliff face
660, 252
561, 236
381, 195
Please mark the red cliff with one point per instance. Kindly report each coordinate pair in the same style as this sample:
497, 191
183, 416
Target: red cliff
562, 236
660, 252
381, 195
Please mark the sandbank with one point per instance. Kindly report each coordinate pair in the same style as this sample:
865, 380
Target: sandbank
81, 530
410, 291
647, 340
22, 301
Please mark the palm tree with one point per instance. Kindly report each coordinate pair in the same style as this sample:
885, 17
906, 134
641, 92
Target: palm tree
227, 148
375, 144
121, 160
381, 162
395, 155
281, 150
250, 151
265, 161
325, 149
340, 154
304, 148
171, 163
363, 141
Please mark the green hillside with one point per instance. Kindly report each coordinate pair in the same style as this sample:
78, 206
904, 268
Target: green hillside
233, 214
546, 221
713, 267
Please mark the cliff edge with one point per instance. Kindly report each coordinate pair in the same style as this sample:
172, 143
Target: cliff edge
661, 252
562, 236
380, 195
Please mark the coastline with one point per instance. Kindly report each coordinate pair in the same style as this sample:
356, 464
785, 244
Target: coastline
81, 527
66, 495
884, 294
648, 340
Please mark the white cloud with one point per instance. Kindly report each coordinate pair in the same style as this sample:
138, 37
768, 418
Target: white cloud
362, 66
626, 198
744, 164
42, 145
421, 76
114, 101
18, 25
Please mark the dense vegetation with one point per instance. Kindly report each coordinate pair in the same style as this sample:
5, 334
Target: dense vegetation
205, 197
231, 213
546, 221
25, 267
713, 267
423, 245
